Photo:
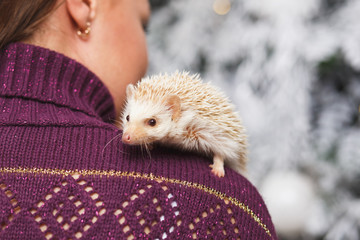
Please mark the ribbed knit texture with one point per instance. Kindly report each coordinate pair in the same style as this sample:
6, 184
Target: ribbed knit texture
64, 172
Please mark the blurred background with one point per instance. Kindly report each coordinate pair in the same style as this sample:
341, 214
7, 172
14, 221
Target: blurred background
292, 68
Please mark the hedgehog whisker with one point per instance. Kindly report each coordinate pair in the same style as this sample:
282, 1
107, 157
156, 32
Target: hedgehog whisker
147, 149
118, 124
142, 150
143, 146
117, 136
146, 145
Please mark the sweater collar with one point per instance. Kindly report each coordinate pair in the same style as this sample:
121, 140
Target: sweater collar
40, 74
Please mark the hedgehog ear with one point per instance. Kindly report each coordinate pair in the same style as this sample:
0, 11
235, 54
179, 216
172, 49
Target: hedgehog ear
129, 90
174, 104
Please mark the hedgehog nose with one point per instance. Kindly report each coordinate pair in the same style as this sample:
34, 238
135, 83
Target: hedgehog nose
126, 138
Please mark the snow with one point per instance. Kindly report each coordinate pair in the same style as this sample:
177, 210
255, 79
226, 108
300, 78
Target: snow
267, 56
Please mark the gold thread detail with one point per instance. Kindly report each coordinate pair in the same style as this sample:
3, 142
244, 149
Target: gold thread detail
113, 173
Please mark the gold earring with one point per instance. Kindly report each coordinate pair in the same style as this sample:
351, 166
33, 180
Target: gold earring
85, 33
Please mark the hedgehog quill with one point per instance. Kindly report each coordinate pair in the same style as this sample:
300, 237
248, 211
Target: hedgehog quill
181, 110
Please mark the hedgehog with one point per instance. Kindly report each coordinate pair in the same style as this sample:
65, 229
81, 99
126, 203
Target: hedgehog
182, 111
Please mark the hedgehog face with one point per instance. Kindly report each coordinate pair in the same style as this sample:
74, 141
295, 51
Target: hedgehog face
147, 119
145, 122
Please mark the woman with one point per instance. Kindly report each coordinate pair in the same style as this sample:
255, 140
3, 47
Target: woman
63, 171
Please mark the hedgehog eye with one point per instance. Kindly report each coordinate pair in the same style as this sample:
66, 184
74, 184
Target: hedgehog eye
152, 122
127, 118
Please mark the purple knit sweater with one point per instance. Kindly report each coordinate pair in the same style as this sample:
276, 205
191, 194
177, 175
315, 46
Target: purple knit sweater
64, 172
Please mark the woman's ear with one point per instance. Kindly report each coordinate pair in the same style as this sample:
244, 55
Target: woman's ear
82, 12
